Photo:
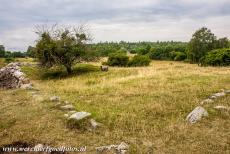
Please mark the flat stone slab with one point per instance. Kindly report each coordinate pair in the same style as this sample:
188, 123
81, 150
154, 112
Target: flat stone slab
55, 99
72, 112
206, 101
80, 115
221, 94
220, 107
67, 107
196, 114
27, 86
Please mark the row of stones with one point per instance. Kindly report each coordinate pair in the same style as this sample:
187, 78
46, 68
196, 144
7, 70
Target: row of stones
200, 112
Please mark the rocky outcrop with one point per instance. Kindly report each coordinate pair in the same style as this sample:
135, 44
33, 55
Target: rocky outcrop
11, 76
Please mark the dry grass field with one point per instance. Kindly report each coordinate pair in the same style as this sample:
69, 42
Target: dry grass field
145, 107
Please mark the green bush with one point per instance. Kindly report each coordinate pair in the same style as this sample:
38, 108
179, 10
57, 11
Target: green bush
180, 56
118, 59
9, 60
218, 57
139, 60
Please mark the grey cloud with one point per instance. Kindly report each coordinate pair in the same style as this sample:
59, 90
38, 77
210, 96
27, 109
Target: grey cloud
19, 15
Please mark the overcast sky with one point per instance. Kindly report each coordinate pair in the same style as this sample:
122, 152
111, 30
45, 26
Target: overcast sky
114, 20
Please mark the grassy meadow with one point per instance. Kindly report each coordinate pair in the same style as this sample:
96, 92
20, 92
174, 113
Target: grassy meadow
145, 107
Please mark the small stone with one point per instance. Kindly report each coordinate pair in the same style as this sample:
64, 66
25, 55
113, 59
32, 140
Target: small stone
18, 74
220, 107
221, 94
118, 149
72, 112
38, 147
80, 115
67, 107
27, 86
196, 114
94, 124
66, 102
206, 101
212, 97
66, 115
122, 148
55, 99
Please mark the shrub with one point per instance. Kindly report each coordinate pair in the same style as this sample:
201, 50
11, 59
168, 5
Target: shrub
218, 57
139, 60
180, 56
9, 60
118, 59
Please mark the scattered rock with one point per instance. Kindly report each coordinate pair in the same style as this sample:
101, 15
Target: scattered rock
221, 94
11, 76
212, 97
122, 148
38, 147
94, 123
72, 112
66, 115
66, 102
118, 149
206, 101
27, 86
220, 107
80, 115
55, 99
67, 107
196, 114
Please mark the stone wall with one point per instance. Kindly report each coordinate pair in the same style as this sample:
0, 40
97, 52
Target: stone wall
11, 76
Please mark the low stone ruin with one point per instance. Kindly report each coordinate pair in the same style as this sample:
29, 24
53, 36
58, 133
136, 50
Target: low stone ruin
11, 76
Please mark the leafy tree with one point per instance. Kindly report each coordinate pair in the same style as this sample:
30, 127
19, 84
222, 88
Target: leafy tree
203, 40
2, 51
61, 46
222, 43
30, 51
8, 54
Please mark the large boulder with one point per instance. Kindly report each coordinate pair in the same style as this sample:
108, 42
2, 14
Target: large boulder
11, 76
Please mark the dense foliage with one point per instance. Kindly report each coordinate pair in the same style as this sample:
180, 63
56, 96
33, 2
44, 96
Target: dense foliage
139, 60
218, 57
118, 59
203, 41
2, 51
121, 59
155, 50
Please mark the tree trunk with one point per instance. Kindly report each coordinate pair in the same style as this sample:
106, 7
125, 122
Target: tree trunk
69, 69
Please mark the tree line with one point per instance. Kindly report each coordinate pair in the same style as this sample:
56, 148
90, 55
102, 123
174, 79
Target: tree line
10, 54
66, 46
